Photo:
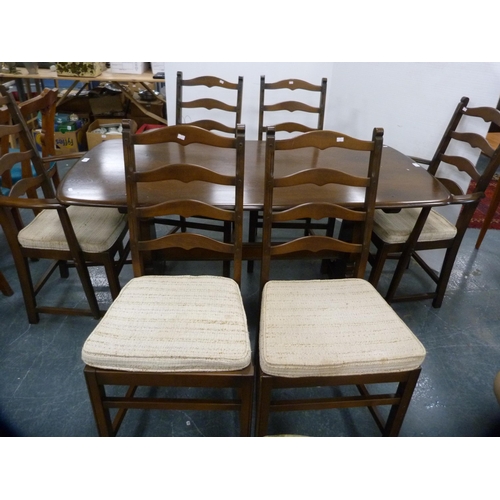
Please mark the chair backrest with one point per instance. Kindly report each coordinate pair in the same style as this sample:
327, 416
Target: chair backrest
456, 133
291, 106
29, 154
233, 105
180, 141
326, 172
45, 104
22, 191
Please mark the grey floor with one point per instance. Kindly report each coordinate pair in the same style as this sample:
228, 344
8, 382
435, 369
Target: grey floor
43, 393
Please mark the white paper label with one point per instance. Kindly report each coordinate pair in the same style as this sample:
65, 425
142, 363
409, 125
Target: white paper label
181, 137
340, 139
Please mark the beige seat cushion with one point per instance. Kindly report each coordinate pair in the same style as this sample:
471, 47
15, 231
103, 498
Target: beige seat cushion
496, 387
172, 324
332, 327
396, 228
96, 229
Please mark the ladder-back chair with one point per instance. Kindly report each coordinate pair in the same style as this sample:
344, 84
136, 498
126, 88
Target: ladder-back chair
330, 332
308, 111
175, 331
392, 230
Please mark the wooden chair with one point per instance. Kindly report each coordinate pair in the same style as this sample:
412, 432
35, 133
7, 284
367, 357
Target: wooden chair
270, 113
330, 332
232, 106
278, 110
174, 331
79, 235
45, 105
392, 230
209, 108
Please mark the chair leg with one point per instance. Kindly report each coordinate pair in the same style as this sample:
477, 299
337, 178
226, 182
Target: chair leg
112, 275
86, 282
444, 275
398, 412
378, 266
4, 286
97, 394
246, 395
264, 391
63, 269
27, 288
252, 235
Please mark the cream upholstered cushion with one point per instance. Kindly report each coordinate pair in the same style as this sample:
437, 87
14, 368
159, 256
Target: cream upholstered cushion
396, 227
96, 229
496, 387
332, 327
172, 323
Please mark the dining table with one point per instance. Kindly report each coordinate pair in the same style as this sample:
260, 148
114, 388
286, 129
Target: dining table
98, 179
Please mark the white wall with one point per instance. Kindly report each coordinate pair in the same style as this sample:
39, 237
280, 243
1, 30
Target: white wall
412, 101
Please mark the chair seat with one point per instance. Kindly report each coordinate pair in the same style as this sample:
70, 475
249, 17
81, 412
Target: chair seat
172, 324
396, 228
330, 328
96, 229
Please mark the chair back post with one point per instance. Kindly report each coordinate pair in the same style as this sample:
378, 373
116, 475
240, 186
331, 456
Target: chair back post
268, 204
178, 100
239, 101
129, 130
239, 191
322, 104
371, 196
261, 107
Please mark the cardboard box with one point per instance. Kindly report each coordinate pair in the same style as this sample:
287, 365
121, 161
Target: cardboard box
131, 68
106, 105
157, 67
93, 138
66, 142
83, 69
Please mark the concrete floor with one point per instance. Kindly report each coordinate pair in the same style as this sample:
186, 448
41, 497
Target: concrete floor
43, 393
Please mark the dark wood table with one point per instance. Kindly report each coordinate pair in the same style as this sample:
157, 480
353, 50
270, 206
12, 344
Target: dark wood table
98, 179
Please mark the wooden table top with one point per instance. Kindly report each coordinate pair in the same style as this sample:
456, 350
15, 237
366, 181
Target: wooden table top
98, 178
